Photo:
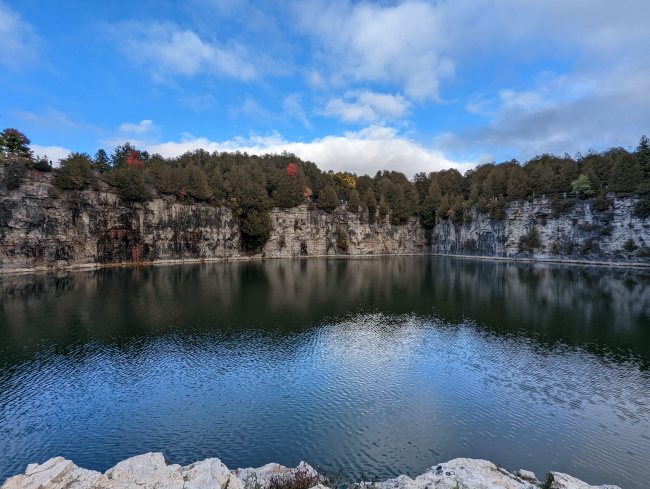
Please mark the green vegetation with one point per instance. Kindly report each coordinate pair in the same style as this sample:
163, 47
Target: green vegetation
75, 173
582, 186
530, 241
252, 185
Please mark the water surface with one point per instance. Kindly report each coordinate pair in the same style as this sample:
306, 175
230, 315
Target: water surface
381, 366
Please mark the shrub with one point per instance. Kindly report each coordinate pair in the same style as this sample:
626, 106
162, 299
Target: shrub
300, 478
497, 210
642, 209
342, 241
561, 206
602, 204
530, 241
76, 172
630, 246
15, 174
42, 164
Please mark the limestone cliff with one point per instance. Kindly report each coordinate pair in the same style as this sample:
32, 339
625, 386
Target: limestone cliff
581, 234
40, 230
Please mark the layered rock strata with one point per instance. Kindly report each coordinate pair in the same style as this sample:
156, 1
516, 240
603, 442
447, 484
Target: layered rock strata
94, 227
581, 234
40, 231
152, 471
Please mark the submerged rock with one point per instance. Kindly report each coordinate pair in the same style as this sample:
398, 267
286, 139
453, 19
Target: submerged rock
152, 471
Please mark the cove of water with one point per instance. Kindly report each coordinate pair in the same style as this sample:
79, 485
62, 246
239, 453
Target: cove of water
381, 366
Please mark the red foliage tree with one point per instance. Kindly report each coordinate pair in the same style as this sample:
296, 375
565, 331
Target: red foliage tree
292, 170
133, 160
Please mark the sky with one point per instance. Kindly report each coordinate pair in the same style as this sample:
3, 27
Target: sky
410, 86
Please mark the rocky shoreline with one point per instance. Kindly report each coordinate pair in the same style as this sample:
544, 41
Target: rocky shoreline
153, 471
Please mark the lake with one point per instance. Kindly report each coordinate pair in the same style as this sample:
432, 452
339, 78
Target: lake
380, 366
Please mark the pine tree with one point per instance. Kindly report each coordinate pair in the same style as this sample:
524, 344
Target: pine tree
370, 203
643, 153
355, 201
101, 161
327, 199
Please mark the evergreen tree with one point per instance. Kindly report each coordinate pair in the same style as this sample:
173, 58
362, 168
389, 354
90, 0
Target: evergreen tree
518, 184
496, 183
101, 161
355, 201
130, 183
401, 208
120, 155
626, 174
327, 199
217, 185
290, 191
256, 229
197, 183
643, 153
383, 208
370, 203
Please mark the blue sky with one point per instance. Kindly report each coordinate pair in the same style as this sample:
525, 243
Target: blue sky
359, 86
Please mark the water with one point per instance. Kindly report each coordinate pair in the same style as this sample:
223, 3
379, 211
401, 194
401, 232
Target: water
379, 366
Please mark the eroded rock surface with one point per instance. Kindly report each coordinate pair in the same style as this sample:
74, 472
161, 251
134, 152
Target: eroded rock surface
152, 471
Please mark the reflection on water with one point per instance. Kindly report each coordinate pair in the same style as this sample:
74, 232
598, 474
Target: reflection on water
381, 366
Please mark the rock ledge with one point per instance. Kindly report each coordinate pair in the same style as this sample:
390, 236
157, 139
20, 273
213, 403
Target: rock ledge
152, 471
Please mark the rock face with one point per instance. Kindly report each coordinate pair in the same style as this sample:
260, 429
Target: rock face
581, 234
93, 228
151, 471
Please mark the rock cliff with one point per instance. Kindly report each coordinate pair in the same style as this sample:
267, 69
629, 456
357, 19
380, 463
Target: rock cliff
94, 227
534, 230
40, 231
152, 471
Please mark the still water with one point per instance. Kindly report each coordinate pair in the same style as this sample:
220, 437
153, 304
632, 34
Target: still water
379, 366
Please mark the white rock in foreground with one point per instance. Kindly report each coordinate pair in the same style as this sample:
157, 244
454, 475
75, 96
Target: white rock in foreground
151, 471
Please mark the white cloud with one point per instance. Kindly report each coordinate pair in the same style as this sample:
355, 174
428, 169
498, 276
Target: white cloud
366, 151
367, 106
143, 127
292, 106
53, 153
18, 41
599, 95
565, 113
363, 42
166, 49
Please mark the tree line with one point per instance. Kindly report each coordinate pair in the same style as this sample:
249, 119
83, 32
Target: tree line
252, 185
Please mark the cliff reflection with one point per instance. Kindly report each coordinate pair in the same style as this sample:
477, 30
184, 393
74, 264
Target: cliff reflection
575, 305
